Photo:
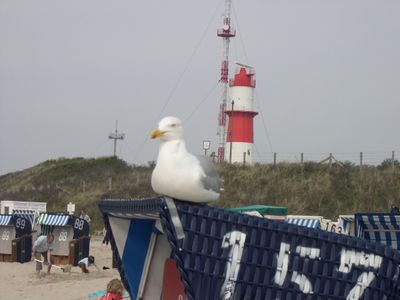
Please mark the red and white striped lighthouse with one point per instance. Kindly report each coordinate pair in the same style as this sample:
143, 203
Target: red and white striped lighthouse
240, 134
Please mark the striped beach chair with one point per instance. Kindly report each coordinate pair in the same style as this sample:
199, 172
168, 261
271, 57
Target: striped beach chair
167, 249
379, 227
307, 221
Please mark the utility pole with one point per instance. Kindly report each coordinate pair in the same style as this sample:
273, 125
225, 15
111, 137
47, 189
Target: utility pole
393, 159
116, 136
110, 184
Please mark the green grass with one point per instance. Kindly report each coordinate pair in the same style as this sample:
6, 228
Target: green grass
310, 188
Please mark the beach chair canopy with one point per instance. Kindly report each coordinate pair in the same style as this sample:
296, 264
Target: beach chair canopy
54, 219
26, 213
22, 225
347, 223
379, 227
262, 209
225, 254
49, 220
5, 220
306, 222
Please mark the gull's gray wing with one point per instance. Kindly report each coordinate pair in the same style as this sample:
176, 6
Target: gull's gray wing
211, 181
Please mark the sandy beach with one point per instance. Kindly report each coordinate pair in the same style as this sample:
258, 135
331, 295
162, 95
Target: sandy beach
17, 281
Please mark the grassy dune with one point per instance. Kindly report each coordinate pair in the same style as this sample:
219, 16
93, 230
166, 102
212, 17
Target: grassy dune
308, 188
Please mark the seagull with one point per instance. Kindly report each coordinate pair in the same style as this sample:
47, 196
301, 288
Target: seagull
179, 174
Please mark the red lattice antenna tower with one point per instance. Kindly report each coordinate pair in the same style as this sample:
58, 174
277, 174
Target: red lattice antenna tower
226, 33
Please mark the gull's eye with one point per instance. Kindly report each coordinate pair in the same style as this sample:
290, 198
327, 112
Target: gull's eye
173, 125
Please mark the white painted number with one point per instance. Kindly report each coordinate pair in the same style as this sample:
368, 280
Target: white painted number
79, 224
348, 258
20, 223
235, 240
6, 235
283, 262
63, 236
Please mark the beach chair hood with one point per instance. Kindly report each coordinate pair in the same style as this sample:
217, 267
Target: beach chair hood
225, 254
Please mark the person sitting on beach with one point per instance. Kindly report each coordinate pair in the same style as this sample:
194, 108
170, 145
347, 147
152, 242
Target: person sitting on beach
115, 290
43, 247
84, 264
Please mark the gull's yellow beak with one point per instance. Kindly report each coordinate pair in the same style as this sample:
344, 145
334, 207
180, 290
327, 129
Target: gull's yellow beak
156, 133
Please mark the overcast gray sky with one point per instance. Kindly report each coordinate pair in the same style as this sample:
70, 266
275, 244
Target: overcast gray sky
327, 76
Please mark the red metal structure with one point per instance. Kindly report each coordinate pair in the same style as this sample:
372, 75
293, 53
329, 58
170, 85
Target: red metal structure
226, 32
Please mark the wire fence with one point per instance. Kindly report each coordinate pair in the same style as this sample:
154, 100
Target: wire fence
373, 158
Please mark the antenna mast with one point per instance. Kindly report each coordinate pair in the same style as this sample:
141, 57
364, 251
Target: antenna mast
226, 33
116, 136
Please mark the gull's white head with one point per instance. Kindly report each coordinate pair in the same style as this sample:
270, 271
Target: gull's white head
169, 128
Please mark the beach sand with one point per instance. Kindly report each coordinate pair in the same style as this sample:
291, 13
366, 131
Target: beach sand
17, 281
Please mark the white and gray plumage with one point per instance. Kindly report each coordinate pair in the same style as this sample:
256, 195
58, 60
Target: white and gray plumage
178, 173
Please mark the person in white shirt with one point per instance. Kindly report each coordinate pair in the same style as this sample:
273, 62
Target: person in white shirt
84, 264
43, 247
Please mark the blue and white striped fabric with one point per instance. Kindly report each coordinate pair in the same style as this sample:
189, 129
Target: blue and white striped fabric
310, 223
53, 220
25, 213
346, 222
5, 220
379, 227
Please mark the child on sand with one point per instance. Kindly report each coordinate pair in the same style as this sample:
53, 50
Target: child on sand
84, 264
115, 289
